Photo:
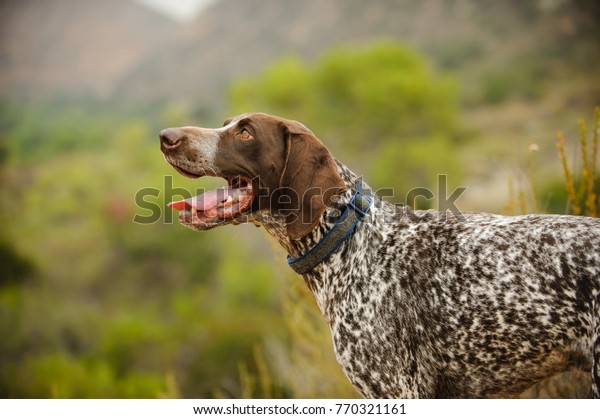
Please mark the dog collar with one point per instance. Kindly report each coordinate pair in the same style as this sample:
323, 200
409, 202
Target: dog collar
355, 211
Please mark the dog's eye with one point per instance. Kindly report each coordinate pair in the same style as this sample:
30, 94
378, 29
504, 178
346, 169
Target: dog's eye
245, 135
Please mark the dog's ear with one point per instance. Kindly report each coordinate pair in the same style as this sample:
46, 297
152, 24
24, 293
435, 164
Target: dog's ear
309, 179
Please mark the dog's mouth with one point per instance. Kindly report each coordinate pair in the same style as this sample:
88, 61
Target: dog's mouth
216, 206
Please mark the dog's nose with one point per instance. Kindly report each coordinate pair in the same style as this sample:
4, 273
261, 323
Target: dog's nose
171, 138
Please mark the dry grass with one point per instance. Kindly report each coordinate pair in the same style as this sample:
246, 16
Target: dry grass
582, 198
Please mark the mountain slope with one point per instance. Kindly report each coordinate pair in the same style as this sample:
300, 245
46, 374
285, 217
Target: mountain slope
124, 54
236, 38
69, 48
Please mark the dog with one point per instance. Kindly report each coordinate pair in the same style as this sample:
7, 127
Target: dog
421, 304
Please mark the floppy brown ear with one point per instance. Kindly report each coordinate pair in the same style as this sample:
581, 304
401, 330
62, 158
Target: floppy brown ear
310, 178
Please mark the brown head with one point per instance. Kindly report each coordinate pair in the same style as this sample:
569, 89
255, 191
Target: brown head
270, 163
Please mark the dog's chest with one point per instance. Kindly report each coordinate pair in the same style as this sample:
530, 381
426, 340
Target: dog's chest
362, 310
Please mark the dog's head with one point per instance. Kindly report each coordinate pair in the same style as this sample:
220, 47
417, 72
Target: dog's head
270, 163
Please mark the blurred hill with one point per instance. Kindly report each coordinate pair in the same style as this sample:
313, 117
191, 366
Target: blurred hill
74, 49
116, 50
473, 38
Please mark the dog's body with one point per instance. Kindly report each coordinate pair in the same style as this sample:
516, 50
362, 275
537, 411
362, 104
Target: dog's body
420, 304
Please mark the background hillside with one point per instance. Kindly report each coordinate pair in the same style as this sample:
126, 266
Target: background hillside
74, 49
115, 50
93, 304
474, 39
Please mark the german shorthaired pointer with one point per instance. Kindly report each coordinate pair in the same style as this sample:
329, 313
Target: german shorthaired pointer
420, 304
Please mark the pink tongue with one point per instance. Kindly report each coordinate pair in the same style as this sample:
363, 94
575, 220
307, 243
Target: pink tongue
202, 202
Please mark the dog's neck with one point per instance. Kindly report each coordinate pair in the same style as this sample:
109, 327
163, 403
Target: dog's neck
319, 280
277, 227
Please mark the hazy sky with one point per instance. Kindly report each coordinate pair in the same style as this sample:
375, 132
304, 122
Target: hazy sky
181, 10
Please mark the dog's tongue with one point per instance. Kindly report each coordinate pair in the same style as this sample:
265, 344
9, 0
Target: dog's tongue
203, 202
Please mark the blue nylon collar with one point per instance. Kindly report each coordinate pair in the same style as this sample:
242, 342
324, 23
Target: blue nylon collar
356, 209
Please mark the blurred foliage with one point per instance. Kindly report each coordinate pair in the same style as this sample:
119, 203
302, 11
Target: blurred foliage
583, 199
577, 193
384, 95
457, 52
302, 363
114, 308
523, 80
14, 266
